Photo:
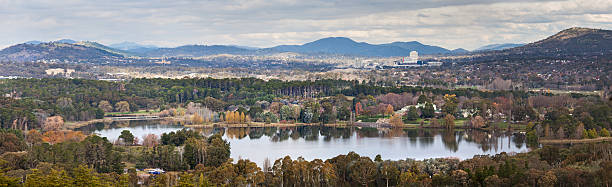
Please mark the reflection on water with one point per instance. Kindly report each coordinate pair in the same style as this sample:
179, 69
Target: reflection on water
138, 128
310, 142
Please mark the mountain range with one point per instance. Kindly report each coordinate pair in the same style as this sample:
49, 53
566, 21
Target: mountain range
325, 46
347, 46
573, 40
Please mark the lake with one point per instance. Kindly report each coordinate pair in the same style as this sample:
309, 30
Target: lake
310, 142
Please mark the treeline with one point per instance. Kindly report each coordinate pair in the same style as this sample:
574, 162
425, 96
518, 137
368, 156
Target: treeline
80, 99
204, 161
31, 101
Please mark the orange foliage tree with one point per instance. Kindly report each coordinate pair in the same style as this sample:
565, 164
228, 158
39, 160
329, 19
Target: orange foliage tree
53, 123
396, 120
54, 137
389, 110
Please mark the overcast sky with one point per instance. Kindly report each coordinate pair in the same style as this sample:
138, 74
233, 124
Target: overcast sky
264, 23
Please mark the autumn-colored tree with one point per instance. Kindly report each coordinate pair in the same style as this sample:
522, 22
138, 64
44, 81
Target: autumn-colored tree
242, 117
450, 104
408, 178
33, 137
363, 171
275, 107
579, 133
396, 120
358, 109
434, 122
547, 132
389, 171
150, 140
234, 118
449, 121
493, 180
389, 110
478, 122
196, 119
53, 123
247, 119
593, 133
229, 117
122, 106
54, 137
105, 106
9, 142
548, 179
604, 133
461, 177
296, 112
560, 133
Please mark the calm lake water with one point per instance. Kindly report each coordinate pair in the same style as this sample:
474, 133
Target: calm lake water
257, 143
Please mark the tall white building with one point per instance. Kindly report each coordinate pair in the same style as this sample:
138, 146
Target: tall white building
414, 57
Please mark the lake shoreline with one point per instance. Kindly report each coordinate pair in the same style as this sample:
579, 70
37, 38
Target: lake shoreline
573, 141
184, 122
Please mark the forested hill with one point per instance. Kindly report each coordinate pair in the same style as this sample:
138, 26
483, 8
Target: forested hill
56, 51
569, 43
572, 41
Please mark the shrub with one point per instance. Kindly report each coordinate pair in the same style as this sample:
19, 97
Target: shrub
604, 133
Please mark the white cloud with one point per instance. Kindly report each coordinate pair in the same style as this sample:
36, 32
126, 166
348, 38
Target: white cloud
451, 24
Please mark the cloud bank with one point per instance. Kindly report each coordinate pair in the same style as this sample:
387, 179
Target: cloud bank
451, 24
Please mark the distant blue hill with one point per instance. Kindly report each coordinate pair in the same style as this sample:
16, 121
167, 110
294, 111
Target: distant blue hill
347, 46
496, 47
245, 47
459, 51
197, 51
127, 46
419, 47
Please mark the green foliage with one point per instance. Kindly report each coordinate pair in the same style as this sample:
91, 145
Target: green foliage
55, 178
412, 114
547, 166
217, 151
363, 171
127, 137
532, 137
427, 111
84, 176
604, 133
422, 99
592, 133
8, 181
94, 151
179, 137
285, 113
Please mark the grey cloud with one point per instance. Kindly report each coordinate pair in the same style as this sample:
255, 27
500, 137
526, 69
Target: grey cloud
452, 24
